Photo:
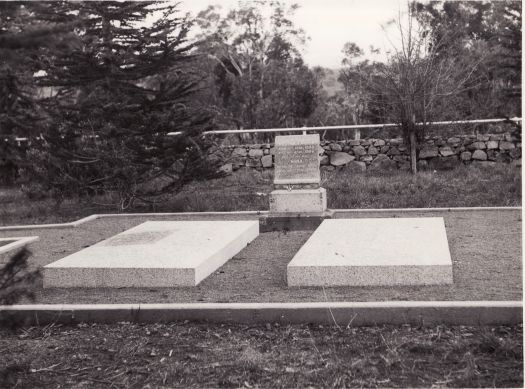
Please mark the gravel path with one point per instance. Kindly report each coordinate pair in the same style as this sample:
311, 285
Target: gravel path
485, 248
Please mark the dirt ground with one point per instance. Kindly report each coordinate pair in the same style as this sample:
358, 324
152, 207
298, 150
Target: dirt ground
190, 355
485, 248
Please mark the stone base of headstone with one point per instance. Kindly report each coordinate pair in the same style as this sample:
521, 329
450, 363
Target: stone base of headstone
298, 201
293, 222
374, 252
153, 254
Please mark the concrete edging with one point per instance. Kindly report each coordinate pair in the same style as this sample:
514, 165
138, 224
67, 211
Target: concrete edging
331, 313
107, 215
372, 210
452, 209
19, 241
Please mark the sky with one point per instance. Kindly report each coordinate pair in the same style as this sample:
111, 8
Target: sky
330, 24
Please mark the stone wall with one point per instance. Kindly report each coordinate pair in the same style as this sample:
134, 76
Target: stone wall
384, 154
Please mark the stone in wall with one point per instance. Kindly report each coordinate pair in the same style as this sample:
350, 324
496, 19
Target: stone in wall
359, 150
492, 145
393, 151
428, 152
506, 145
267, 161
255, 153
239, 152
338, 158
253, 162
515, 153
454, 141
479, 155
477, 146
446, 151
373, 150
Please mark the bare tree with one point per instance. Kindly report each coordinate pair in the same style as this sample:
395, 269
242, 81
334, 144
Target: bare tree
419, 81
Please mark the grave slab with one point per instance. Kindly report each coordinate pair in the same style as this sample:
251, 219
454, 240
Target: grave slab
154, 254
370, 252
298, 201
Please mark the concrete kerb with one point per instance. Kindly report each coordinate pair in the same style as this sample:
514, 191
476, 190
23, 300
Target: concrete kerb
18, 241
258, 213
343, 314
118, 215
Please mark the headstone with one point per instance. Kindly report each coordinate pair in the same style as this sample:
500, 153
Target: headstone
297, 176
297, 159
378, 251
154, 254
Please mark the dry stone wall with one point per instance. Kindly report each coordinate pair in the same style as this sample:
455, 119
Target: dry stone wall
386, 154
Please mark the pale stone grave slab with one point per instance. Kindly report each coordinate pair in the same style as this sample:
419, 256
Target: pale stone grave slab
154, 254
379, 251
297, 176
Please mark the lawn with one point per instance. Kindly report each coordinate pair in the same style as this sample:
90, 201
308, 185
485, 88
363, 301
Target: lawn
192, 355
248, 189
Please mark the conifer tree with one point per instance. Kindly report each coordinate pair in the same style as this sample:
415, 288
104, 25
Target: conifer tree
118, 92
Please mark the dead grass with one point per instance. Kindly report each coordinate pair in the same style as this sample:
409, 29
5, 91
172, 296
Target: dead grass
247, 189
461, 187
198, 355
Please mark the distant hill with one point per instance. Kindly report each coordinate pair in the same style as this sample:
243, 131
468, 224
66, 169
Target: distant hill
330, 83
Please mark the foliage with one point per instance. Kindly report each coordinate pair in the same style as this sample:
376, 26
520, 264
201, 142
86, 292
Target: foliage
257, 76
491, 28
15, 280
418, 83
118, 92
21, 38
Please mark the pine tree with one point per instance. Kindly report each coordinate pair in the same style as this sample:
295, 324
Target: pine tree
119, 91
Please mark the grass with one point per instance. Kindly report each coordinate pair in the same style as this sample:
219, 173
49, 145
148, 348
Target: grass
461, 187
248, 189
266, 356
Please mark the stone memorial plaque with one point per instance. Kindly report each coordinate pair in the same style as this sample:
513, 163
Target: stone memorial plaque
137, 238
297, 159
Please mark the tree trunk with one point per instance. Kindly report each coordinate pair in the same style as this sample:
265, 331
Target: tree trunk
413, 161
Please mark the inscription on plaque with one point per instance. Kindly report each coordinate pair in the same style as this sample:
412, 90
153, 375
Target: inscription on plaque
135, 238
297, 159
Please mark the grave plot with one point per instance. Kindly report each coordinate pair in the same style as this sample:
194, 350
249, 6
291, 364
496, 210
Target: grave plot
154, 254
369, 252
